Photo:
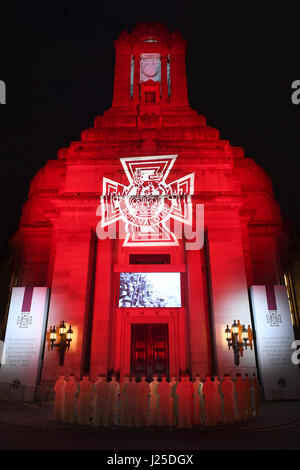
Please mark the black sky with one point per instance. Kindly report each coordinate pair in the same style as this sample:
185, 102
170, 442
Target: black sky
57, 60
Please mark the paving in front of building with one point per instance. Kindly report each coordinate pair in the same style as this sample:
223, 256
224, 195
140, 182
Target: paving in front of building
31, 426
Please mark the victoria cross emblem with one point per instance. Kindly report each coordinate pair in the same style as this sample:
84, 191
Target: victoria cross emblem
24, 320
273, 318
148, 202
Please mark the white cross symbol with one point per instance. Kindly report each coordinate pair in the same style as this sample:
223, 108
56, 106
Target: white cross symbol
148, 203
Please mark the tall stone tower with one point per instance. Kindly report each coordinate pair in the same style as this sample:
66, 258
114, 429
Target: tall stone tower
150, 301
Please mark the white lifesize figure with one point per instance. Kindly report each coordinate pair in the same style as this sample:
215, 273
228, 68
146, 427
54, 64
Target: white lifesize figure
113, 401
71, 389
241, 398
255, 392
227, 389
164, 393
209, 392
144, 392
100, 416
132, 391
198, 400
154, 402
174, 401
248, 395
124, 402
218, 401
185, 392
59, 402
84, 401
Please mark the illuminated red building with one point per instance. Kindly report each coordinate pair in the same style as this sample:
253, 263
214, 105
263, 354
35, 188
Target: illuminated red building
150, 143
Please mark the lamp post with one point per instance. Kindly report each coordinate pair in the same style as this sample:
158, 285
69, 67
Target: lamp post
232, 337
64, 342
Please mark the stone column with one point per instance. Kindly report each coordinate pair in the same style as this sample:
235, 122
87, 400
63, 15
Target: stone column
101, 338
68, 299
264, 254
198, 319
121, 91
229, 286
136, 79
178, 79
164, 82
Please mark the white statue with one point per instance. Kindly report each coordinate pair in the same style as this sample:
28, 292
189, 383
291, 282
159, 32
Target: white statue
144, 392
174, 401
185, 393
113, 405
209, 392
227, 388
198, 400
255, 391
132, 392
59, 402
71, 389
241, 398
154, 402
124, 402
248, 387
164, 392
100, 412
218, 401
84, 401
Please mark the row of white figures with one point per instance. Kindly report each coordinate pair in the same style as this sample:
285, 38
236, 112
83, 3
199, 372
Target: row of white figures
158, 403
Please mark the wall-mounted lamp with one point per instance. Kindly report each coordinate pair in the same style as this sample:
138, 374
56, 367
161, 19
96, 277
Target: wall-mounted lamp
64, 342
237, 337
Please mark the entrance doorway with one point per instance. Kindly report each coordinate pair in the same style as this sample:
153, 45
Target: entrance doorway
149, 350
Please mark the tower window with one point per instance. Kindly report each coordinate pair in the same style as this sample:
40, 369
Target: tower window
169, 75
150, 97
131, 76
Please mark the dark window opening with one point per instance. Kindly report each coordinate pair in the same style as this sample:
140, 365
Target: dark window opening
169, 76
156, 258
131, 76
150, 97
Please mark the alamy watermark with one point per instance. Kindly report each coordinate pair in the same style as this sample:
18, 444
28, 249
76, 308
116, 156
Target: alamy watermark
295, 97
144, 208
296, 354
150, 221
2, 92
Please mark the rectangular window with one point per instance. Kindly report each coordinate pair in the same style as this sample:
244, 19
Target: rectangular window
131, 76
291, 299
153, 258
169, 75
150, 97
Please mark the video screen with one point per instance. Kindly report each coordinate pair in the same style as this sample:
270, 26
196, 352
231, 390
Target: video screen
150, 290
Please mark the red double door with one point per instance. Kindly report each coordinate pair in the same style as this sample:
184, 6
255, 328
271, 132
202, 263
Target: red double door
149, 350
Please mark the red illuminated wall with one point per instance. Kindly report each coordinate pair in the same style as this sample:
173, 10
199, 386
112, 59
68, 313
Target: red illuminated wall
57, 229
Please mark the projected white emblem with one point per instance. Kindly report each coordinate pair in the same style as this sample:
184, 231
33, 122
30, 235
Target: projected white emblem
148, 202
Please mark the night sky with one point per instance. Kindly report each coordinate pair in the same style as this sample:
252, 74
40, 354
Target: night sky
57, 60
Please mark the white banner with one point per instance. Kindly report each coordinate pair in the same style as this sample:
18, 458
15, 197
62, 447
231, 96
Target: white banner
24, 338
274, 337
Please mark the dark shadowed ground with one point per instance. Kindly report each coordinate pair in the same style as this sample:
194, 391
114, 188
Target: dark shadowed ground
29, 427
